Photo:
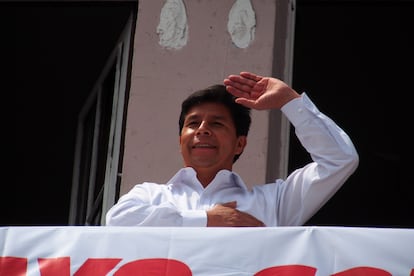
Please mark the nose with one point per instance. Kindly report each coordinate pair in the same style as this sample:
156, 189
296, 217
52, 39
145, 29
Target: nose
203, 129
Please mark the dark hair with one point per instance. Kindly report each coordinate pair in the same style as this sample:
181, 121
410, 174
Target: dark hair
218, 94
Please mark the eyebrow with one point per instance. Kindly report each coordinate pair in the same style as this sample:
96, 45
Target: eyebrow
196, 116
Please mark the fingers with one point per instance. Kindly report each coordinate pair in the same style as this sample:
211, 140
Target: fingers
231, 204
251, 76
240, 82
247, 220
239, 87
226, 215
237, 92
252, 222
243, 81
245, 102
246, 85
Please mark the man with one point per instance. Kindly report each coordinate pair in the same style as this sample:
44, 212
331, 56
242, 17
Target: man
214, 124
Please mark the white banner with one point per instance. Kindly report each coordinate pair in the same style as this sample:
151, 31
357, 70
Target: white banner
156, 251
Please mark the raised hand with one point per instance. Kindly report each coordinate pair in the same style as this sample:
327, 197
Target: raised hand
259, 92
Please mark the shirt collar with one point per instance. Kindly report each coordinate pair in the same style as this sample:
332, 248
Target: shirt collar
188, 176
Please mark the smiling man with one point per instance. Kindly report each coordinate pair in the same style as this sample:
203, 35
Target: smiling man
208, 136
213, 128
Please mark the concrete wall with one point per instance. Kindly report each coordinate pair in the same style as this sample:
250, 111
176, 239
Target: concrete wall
162, 78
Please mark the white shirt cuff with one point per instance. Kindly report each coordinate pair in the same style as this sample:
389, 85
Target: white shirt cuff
194, 218
299, 110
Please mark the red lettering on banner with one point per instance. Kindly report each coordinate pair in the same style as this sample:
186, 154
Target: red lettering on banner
54, 266
13, 266
154, 267
363, 271
17, 266
97, 267
61, 266
287, 270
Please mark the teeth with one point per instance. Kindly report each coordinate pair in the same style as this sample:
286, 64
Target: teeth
203, 146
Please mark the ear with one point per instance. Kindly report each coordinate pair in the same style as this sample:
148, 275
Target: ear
241, 144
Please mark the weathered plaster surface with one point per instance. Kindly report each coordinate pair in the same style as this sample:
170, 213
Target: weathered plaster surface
242, 23
161, 78
173, 28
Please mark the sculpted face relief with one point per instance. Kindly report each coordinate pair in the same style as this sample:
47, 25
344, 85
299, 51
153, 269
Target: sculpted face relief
242, 23
172, 28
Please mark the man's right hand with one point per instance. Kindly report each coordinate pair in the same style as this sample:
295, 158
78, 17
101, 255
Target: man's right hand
257, 92
226, 215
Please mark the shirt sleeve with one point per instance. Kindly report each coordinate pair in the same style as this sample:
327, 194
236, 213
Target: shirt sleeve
334, 158
144, 205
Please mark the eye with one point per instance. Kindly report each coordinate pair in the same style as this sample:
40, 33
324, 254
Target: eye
192, 124
217, 124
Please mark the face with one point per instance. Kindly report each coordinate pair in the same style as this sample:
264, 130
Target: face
208, 139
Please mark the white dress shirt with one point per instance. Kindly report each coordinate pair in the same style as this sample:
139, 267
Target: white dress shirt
183, 201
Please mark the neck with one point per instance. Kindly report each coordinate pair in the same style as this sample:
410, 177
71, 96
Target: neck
206, 176
205, 180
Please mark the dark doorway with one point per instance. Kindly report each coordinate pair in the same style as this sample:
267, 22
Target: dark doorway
354, 59
58, 51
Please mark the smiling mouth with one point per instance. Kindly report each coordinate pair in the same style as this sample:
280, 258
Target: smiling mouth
203, 146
